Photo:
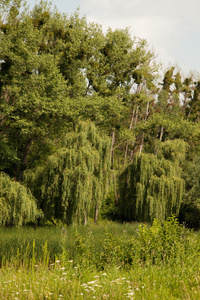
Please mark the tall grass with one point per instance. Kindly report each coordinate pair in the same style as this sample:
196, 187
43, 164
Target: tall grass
108, 261
58, 282
17, 242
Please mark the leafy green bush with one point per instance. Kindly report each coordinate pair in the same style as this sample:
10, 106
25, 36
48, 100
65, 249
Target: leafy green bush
163, 242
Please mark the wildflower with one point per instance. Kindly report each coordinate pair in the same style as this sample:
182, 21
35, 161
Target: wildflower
104, 274
57, 261
71, 261
63, 268
97, 285
92, 282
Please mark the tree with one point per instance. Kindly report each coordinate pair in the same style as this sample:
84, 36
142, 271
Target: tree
33, 104
74, 180
194, 104
151, 186
17, 204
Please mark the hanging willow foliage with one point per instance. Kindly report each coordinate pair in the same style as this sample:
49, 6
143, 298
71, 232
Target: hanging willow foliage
152, 187
75, 178
17, 204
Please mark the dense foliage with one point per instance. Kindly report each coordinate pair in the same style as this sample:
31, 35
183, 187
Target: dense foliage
75, 178
86, 122
17, 205
111, 261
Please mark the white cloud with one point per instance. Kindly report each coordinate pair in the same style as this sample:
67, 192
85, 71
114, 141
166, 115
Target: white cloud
167, 25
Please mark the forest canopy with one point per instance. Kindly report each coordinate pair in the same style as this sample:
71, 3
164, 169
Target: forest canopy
87, 124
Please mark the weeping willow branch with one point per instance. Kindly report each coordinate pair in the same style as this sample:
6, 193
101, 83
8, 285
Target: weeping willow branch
17, 204
152, 187
74, 179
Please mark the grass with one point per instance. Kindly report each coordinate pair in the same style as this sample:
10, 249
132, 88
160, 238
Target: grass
16, 239
108, 261
149, 282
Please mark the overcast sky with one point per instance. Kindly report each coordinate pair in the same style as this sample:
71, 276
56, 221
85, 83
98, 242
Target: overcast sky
172, 28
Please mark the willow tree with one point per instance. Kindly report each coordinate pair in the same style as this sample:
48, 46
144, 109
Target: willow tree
17, 204
152, 187
74, 180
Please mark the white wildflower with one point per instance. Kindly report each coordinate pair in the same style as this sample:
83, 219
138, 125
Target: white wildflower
130, 293
92, 282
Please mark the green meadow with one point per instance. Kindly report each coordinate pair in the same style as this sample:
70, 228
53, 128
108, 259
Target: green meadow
104, 261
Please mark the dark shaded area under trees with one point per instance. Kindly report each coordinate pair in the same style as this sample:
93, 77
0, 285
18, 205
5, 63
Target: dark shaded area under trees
88, 128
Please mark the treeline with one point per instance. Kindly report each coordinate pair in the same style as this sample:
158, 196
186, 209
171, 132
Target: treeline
88, 127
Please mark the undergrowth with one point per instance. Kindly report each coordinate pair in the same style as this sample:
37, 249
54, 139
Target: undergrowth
138, 261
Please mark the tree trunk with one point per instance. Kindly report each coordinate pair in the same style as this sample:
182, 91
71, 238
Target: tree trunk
125, 153
131, 156
160, 138
85, 218
96, 214
161, 133
141, 144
